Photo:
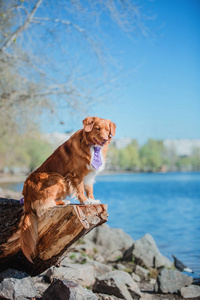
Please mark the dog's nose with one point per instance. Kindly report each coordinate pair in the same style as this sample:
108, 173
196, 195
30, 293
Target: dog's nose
105, 140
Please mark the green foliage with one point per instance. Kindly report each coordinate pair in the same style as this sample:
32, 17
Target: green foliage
195, 159
23, 150
151, 157
129, 157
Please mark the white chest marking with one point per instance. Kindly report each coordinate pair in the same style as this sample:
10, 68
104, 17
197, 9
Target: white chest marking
90, 178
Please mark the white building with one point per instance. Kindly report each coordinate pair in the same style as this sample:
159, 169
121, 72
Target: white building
182, 147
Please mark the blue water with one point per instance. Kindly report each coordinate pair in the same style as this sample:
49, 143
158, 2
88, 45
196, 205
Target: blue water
165, 205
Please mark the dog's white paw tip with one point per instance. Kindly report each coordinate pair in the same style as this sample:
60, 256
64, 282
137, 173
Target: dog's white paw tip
97, 202
91, 201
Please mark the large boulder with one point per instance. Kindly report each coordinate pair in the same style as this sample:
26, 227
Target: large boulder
109, 240
146, 253
117, 283
81, 274
67, 290
16, 285
191, 291
171, 281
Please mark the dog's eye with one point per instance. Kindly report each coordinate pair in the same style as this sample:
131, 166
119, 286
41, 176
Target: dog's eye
98, 128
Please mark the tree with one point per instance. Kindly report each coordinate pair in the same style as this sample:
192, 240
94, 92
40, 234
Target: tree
49, 52
112, 157
151, 155
195, 159
129, 157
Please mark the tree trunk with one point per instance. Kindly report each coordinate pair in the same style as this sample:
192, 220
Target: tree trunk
58, 229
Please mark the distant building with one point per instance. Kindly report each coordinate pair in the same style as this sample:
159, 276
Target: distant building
182, 147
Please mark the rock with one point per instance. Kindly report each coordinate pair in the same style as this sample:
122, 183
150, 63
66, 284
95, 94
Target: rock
171, 281
142, 272
16, 285
40, 284
115, 255
67, 290
107, 240
73, 257
98, 257
106, 297
152, 281
40, 287
146, 253
146, 296
191, 291
87, 247
135, 277
120, 267
81, 274
128, 254
99, 268
117, 283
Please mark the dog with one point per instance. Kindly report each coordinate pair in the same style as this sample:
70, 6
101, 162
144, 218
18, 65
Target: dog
70, 169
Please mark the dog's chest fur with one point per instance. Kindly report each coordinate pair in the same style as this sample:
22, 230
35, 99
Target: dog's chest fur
90, 177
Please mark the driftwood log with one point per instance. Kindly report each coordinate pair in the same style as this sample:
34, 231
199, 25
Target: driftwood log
58, 229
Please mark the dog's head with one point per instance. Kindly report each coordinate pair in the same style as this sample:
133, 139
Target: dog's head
98, 131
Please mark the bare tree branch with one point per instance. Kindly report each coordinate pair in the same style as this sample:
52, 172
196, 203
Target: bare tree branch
23, 27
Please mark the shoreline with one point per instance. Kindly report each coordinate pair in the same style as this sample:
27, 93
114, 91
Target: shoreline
20, 177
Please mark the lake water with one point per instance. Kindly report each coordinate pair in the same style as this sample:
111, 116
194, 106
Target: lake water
165, 205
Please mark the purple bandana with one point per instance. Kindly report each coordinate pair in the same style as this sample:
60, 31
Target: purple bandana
96, 161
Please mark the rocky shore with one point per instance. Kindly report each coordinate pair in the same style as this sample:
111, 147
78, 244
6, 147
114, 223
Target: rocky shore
107, 264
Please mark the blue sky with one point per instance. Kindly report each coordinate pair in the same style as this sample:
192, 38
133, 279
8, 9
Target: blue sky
159, 91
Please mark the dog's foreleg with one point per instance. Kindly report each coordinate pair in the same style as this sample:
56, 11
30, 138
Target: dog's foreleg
89, 191
80, 192
90, 196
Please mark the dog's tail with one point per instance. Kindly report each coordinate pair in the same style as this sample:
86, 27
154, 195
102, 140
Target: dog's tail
29, 233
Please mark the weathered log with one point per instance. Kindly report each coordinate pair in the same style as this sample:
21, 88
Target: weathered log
58, 229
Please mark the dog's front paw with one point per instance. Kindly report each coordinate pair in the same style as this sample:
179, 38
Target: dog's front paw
92, 201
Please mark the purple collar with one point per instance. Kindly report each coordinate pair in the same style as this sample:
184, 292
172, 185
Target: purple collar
96, 161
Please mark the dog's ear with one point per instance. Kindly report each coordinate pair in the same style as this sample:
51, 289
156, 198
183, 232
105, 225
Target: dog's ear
112, 128
88, 124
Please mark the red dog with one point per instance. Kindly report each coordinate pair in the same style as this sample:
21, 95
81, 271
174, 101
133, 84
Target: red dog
71, 169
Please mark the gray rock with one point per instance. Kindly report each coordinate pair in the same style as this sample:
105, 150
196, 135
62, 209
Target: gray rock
40, 287
88, 247
99, 257
99, 268
146, 253
171, 281
191, 291
40, 284
135, 277
120, 267
106, 297
67, 290
114, 255
152, 281
146, 296
16, 285
107, 240
117, 283
81, 274
142, 272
